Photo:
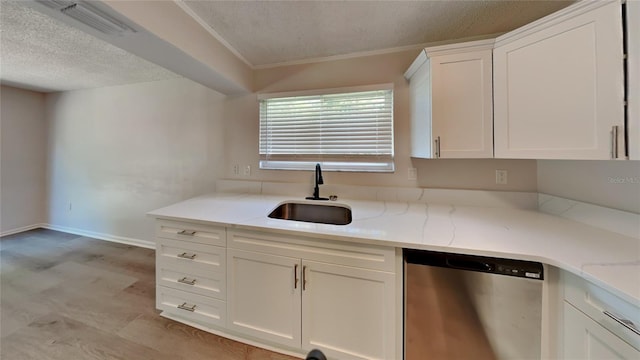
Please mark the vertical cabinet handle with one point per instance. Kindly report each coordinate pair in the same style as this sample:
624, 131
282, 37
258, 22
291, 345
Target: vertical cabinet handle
437, 147
187, 232
295, 276
304, 278
614, 142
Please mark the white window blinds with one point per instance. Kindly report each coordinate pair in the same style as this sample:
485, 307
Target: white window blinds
344, 131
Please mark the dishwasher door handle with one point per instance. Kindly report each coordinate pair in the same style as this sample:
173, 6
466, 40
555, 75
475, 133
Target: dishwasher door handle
465, 264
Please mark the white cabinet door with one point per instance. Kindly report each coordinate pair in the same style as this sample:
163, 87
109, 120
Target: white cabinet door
585, 339
420, 108
264, 296
559, 86
462, 104
451, 98
348, 312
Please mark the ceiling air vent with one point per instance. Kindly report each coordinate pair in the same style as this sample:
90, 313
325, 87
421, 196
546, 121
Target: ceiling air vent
56, 4
89, 15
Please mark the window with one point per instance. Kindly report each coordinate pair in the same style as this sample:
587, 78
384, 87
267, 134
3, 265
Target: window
344, 130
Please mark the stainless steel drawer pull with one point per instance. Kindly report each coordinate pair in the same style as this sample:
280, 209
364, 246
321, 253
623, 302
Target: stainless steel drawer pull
624, 322
187, 232
186, 280
184, 306
184, 255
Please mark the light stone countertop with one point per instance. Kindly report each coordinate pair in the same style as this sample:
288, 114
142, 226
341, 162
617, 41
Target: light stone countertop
606, 258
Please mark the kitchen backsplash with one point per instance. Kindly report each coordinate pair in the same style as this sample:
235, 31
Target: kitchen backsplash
509, 199
618, 221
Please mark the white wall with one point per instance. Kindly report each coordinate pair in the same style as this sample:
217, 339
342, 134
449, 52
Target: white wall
614, 184
117, 152
242, 125
23, 159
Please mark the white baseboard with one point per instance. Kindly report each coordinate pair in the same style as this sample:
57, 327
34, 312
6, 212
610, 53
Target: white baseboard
102, 236
21, 229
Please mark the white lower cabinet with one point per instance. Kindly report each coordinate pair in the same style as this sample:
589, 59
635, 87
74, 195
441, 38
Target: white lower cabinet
287, 292
347, 312
264, 299
585, 339
191, 272
597, 324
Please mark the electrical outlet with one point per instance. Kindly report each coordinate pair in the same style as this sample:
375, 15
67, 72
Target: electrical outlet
247, 170
236, 169
412, 174
501, 177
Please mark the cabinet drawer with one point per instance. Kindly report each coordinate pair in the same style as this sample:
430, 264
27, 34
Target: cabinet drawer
201, 309
595, 301
212, 284
190, 257
329, 251
203, 234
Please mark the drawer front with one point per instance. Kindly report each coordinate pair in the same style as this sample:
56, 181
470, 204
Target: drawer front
212, 284
197, 233
201, 309
603, 307
329, 251
190, 257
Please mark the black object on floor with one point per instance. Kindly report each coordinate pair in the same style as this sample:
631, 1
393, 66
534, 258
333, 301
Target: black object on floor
316, 354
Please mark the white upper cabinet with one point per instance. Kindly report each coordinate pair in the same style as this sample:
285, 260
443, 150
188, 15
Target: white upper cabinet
451, 101
559, 86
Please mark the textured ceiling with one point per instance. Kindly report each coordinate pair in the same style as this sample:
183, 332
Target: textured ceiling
44, 54
271, 32
40, 53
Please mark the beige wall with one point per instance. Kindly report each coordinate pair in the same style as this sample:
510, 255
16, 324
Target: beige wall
476, 174
118, 152
614, 184
199, 55
23, 159
241, 129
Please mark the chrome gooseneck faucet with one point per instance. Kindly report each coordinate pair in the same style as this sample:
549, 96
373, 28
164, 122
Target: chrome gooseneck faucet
318, 181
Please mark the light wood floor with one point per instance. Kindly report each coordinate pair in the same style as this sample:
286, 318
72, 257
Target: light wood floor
68, 297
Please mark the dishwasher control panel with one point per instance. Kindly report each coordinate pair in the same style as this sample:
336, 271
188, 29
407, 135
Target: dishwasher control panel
509, 267
511, 270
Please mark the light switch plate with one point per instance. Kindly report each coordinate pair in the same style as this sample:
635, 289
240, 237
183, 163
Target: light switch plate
412, 174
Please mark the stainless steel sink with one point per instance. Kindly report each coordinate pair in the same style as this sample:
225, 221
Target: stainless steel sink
315, 213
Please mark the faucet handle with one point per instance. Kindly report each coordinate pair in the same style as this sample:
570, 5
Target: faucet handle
333, 197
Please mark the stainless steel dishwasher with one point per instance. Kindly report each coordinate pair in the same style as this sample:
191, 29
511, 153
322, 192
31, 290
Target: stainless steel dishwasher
471, 307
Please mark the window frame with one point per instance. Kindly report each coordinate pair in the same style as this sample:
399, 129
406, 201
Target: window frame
344, 162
